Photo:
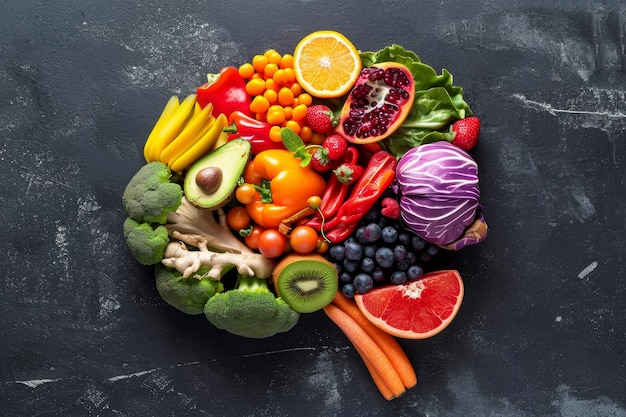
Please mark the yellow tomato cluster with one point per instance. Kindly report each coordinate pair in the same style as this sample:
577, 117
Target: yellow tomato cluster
277, 97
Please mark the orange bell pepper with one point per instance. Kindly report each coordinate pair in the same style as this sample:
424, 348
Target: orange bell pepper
283, 186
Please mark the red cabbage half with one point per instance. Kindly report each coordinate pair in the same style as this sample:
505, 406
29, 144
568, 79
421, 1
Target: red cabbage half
438, 188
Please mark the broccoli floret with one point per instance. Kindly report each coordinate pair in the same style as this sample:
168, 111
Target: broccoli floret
250, 310
188, 295
150, 194
146, 244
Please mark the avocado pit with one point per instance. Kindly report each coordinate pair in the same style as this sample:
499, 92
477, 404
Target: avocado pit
209, 179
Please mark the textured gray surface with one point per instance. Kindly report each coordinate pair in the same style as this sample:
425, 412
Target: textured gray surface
541, 330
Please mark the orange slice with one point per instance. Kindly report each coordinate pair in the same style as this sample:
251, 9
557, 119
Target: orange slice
417, 309
326, 64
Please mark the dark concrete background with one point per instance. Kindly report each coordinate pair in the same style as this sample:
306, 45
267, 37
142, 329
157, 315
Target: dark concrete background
82, 330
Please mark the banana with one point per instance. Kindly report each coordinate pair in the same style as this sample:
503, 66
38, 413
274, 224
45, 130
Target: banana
190, 134
221, 139
168, 111
172, 127
202, 146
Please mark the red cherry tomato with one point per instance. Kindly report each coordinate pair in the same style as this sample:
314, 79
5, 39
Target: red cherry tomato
303, 239
252, 239
272, 243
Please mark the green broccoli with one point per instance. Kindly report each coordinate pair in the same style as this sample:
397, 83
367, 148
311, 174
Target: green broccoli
188, 295
250, 310
146, 244
150, 194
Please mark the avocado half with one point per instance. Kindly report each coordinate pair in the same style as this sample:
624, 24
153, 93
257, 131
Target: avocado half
224, 166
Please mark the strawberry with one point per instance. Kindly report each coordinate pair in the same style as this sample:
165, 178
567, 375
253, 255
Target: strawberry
467, 131
336, 146
320, 162
391, 208
320, 118
348, 173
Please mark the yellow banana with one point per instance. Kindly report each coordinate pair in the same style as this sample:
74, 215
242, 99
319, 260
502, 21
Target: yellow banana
168, 111
202, 146
190, 134
172, 127
221, 139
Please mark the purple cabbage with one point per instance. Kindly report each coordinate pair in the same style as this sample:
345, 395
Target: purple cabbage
438, 187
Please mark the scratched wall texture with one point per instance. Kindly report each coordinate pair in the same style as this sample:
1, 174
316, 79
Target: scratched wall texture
541, 329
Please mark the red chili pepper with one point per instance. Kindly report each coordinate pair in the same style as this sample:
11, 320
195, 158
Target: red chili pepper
253, 130
226, 91
335, 192
378, 176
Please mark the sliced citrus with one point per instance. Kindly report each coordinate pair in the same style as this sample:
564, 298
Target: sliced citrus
326, 64
415, 310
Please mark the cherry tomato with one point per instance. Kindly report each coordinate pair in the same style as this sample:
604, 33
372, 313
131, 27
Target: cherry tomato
272, 243
245, 193
322, 245
303, 239
238, 218
252, 239
314, 202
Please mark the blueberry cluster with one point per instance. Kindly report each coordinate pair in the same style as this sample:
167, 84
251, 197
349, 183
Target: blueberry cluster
380, 251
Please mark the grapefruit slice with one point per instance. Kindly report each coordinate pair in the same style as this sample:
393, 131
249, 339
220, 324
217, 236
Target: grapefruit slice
415, 310
326, 64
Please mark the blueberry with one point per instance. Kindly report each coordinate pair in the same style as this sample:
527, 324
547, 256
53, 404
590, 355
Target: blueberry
412, 257
404, 238
414, 272
345, 278
403, 265
337, 252
432, 250
350, 265
348, 290
418, 243
399, 252
354, 251
398, 278
378, 275
371, 232
363, 283
384, 257
372, 215
389, 234
339, 267
367, 265
359, 235
369, 251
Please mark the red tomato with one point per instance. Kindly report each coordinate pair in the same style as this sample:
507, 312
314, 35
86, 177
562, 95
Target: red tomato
272, 243
303, 239
252, 240
238, 218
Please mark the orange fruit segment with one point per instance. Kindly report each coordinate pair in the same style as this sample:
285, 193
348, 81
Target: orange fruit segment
415, 310
326, 64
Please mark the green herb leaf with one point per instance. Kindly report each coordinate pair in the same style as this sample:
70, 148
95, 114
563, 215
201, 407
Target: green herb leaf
295, 145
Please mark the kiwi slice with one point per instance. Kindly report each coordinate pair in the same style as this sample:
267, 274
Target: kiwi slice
306, 282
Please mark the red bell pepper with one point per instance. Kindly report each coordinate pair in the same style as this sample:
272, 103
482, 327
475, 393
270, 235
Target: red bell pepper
376, 178
253, 130
226, 91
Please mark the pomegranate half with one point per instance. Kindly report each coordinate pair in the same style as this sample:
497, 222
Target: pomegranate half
378, 104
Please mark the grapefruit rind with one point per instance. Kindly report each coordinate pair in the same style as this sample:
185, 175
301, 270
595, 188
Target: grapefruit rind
432, 303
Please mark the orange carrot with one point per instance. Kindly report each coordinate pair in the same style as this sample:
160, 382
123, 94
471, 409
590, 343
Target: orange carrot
385, 341
367, 348
378, 380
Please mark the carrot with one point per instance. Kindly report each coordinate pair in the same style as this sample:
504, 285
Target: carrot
385, 341
378, 380
368, 349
